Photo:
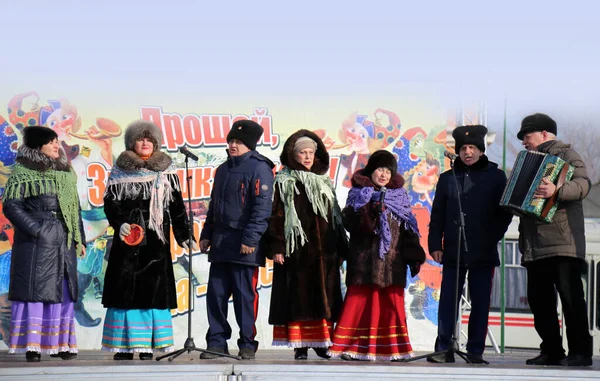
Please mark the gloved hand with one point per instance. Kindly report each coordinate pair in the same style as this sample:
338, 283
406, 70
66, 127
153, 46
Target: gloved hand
377, 207
204, 245
194, 246
414, 267
124, 231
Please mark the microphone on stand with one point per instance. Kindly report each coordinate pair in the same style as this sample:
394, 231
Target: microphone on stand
450, 155
381, 199
187, 153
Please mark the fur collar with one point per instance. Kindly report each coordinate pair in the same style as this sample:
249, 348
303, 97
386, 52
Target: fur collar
361, 181
130, 161
36, 160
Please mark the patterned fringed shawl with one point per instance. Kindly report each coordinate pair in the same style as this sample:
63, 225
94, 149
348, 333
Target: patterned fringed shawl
321, 196
155, 186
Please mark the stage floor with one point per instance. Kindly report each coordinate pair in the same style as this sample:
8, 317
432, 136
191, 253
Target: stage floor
279, 364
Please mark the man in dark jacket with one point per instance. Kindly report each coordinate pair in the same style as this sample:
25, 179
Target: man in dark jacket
554, 254
480, 184
237, 217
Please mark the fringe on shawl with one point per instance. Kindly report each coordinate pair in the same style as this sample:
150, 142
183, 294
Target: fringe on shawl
321, 196
157, 187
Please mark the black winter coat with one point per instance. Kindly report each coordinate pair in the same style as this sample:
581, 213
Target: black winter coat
40, 257
142, 277
481, 186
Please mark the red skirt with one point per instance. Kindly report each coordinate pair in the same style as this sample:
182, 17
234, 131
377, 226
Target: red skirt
304, 334
372, 325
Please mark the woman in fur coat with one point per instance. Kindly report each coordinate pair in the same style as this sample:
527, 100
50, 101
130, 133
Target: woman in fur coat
305, 239
42, 203
384, 240
139, 286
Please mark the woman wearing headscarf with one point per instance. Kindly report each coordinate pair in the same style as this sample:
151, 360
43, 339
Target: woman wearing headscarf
41, 202
305, 239
384, 241
142, 201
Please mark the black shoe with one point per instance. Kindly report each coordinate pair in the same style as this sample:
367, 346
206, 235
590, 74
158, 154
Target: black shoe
322, 353
347, 357
545, 359
576, 360
300, 353
441, 358
246, 354
475, 359
146, 356
65, 355
123, 356
218, 353
33, 356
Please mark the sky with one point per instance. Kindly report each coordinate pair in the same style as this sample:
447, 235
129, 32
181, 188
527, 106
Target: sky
191, 55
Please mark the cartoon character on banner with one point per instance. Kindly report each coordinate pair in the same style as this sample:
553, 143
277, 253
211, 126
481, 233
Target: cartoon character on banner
24, 110
421, 169
97, 230
362, 137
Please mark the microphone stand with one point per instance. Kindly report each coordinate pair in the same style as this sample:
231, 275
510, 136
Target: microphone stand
189, 345
462, 238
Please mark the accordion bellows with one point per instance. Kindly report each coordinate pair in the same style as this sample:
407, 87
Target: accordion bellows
527, 174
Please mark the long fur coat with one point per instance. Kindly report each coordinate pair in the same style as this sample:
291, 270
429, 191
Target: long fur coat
307, 286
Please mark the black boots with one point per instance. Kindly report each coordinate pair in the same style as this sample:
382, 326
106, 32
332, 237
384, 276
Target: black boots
33, 356
65, 355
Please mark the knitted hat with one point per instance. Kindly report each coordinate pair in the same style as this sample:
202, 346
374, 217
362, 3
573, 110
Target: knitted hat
246, 131
35, 137
303, 143
381, 159
536, 122
474, 135
141, 129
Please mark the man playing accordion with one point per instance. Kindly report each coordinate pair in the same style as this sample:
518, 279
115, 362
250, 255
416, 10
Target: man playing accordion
554, 253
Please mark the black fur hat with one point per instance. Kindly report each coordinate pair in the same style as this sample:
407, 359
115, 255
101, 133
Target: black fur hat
536, 122
36, 136
142, 129
381, 159
474, 135
246, 131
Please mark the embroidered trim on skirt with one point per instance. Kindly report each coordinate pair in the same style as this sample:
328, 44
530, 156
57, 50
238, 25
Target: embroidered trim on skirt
137, 330
43, 327
304, 334
373, 325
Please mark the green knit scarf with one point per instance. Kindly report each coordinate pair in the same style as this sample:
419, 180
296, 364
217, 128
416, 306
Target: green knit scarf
24, 182
321, 196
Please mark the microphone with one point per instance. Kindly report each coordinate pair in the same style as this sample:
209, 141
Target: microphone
381, 199
450, 155
187, 153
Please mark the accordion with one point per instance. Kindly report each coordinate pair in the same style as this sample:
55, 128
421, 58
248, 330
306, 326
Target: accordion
527, 174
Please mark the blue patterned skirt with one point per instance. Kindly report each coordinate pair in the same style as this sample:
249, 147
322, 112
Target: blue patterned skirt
138, 331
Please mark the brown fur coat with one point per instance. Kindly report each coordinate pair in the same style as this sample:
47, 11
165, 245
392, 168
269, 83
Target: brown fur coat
307, 286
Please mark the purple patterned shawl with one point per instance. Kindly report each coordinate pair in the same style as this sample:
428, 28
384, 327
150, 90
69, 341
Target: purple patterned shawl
397, 202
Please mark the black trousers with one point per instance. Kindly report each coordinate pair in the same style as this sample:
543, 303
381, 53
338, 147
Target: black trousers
546, 278
480, 289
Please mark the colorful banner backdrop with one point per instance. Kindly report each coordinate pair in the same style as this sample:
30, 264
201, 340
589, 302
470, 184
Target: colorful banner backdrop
93, 142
